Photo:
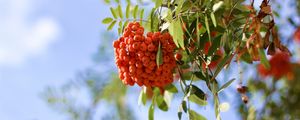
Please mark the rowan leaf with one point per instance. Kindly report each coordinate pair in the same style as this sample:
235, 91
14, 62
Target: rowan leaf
107, 20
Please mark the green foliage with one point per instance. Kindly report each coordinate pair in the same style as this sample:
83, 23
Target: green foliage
159, 57
206, 33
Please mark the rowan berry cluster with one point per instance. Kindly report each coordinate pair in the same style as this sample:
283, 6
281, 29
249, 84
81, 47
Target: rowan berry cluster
135, 56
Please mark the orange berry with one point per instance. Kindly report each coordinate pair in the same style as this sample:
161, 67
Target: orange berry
134, 27
151, 47
143, 47
178, 56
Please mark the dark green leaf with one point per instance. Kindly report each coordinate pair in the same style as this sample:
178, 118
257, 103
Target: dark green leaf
197, 91
195, 116
183, 105
215, 45
247, 58
179, 113
263, 59
151, 112
111, 25
113, 12
171, 88
199, 75
225, 85
159, 57
107, 20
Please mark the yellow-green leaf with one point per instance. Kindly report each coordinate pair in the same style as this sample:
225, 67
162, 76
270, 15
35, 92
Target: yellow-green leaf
113, 12
135, 10
195, 116
107, 20
112, 24
120, 11
263, 59
177, 33
128, 11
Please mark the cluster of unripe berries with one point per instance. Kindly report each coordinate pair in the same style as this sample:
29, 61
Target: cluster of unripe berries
135, 56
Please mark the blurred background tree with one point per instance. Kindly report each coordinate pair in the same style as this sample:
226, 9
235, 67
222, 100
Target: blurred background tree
92, 89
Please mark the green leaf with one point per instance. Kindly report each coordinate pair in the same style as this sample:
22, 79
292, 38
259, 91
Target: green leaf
216, 107
158, 3
213, 19
142, 15
117, 1
197, 100
179, 3
161, 103
112, 24
186, 5
135, 10
171, 88
207, 27
263, 59
159, 57
151, 112
167, 15
195, 116
120, 11
125, 24
120, 27
107, 1
152, 20
128, 10
107, 20
226, 85
168, 97
177, 33
142, 98
113, 12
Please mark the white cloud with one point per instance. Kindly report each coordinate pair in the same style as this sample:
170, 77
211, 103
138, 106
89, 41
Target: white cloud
21, 34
